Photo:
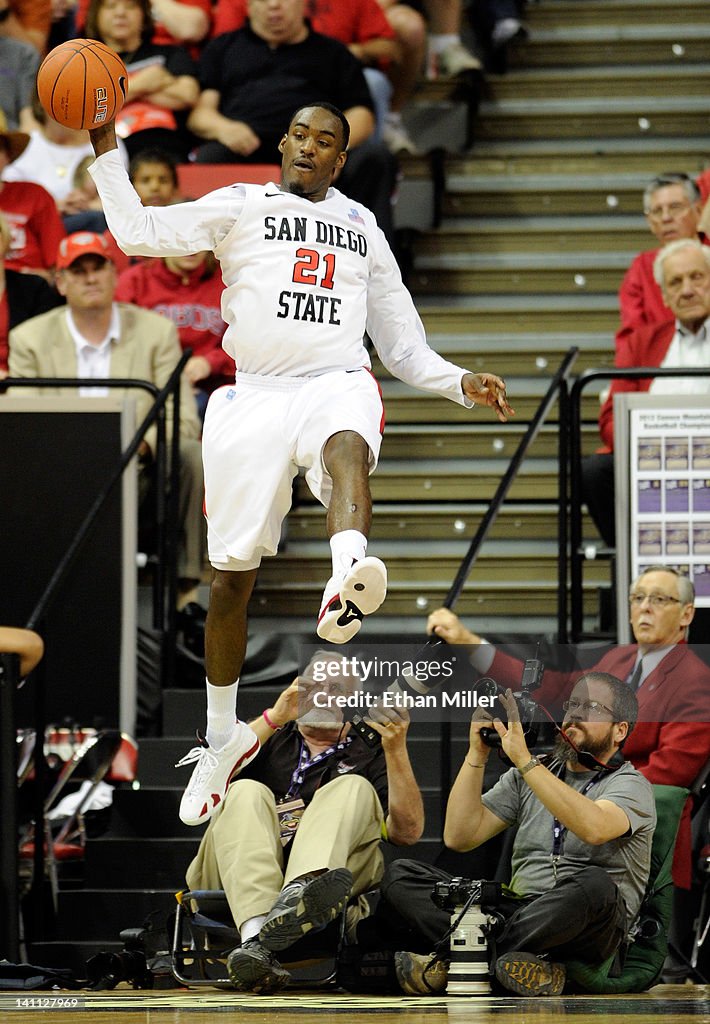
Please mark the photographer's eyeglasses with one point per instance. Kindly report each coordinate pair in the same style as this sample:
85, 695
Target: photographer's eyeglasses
588, 708
655, 600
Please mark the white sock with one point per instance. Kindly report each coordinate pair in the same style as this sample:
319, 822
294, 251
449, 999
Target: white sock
251, 927
221, 713
346, 547
439, 43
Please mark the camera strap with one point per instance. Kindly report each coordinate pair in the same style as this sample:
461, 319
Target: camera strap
559, 831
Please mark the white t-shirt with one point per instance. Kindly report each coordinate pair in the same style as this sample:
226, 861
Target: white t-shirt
686, 349
304, 281
51, 165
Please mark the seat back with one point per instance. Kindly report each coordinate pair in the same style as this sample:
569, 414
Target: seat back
644, 958
195, 180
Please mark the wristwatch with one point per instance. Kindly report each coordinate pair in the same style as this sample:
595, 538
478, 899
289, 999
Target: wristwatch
530, 765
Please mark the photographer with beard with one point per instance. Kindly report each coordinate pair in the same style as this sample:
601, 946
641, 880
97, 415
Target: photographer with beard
300, 829
581, 855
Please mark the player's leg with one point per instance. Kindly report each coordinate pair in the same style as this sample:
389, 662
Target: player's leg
246, 499
338, 443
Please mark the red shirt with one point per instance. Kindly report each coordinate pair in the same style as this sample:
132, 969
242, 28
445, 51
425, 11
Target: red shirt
192, 302
354, 22
35, 225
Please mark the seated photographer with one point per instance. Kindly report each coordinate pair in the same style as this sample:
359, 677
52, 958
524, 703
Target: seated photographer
671, 743
300, 830
581, 855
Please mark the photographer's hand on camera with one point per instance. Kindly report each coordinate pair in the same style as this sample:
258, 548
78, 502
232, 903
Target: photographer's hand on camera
512, 737
392, 724
405, 816
478, 751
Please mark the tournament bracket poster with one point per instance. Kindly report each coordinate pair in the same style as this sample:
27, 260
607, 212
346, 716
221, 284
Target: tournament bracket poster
669, 489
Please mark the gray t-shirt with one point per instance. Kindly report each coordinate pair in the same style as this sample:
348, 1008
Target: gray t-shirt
18, 67
626, 859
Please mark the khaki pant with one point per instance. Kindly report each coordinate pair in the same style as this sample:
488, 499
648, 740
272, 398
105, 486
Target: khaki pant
241, 850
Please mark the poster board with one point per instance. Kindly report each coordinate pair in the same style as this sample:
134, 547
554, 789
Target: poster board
662, 473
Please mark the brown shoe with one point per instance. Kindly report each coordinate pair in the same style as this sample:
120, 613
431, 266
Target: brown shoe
529, 975
420, 975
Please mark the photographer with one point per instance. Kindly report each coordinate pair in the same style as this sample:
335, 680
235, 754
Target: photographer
301, 827
581, 855
671, 743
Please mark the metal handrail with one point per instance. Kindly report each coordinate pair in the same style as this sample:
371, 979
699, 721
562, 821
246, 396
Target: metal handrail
574, 423
557, 384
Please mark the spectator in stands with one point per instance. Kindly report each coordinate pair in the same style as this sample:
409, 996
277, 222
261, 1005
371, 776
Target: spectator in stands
27, 644
97, 337
671, 203
301, 827
21, 296
31, 213
682, 276
671, 741
175, 22
360, 25
582, 850
447, 55
188, 291
19, 62
497, 23
51, 160
162, 81
154, 176
253, 78
28, 21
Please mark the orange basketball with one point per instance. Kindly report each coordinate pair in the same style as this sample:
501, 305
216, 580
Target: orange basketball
82, 83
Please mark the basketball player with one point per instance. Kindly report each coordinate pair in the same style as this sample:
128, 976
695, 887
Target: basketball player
307, 273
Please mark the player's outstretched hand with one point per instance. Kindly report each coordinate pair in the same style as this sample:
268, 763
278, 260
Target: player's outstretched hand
103, 139
487, 389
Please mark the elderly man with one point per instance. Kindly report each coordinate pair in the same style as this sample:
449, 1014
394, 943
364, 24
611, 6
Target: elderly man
300, 829
682, 273
581, 856
93, 336
672, 205
671, 742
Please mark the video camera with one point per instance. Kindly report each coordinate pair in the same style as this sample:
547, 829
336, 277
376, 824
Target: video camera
527, 705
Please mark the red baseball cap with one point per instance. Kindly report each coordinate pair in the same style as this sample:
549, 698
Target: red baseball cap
81, 243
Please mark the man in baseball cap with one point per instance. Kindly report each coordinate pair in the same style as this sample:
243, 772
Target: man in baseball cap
82, 243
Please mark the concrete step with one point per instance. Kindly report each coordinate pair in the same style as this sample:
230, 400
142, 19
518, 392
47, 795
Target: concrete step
622, 44
525, 354
571, 13
102, 914
404, 404
433, 521
513, 235
490, 604
587, 155
471, 273
470, 441
676, 116
589, 195
506, 314
138, 862
610, 81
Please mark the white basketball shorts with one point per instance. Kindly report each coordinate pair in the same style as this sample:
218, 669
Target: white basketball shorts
258, 433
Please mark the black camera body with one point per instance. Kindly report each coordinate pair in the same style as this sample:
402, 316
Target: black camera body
533, 671
458, 892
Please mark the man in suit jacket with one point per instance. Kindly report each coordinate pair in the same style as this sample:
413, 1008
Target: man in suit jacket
682, 270
671, 740
93, 336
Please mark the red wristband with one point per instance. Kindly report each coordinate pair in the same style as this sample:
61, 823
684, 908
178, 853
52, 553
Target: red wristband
268, 721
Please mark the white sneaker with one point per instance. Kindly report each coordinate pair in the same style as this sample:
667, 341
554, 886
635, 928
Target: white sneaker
506, 31
396, 137
455, 60
346, 601
210, 778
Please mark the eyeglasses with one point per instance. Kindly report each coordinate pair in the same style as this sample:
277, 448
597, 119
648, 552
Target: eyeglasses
588, 708
672, 209
655, 600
